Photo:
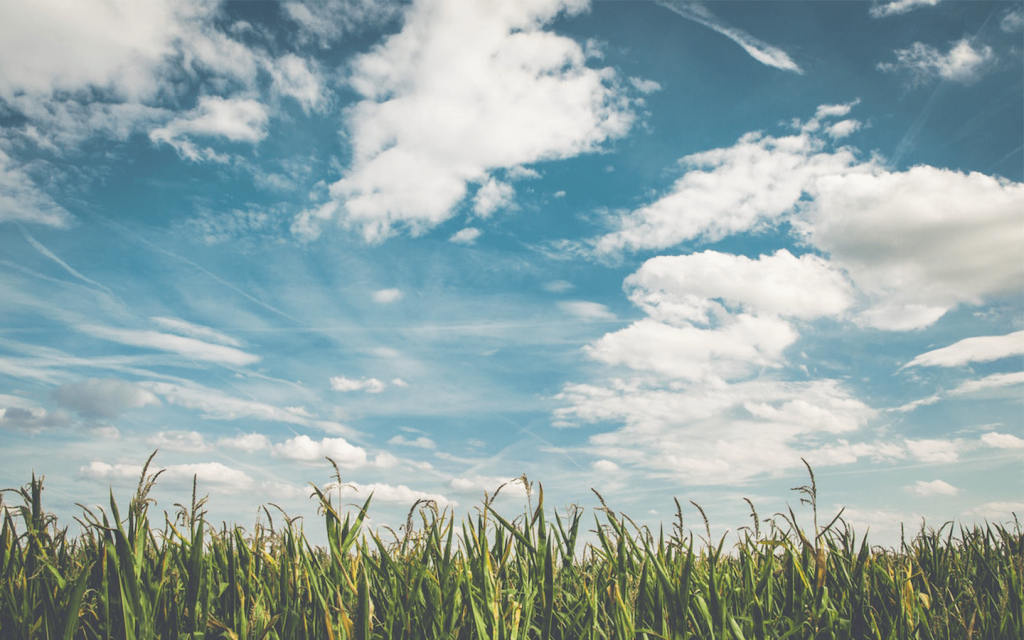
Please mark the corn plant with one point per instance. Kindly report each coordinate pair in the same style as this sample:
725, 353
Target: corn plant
495, 576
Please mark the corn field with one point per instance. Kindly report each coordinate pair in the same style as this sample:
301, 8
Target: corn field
488, 576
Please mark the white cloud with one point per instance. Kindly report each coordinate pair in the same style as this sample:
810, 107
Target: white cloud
32, 419
1002, 441
293, 77
1013, 21
585, 310
385, 460
389, 493
234, 119
369, 385
978, 349
935, 450
467, 236
189, 348
719, 315
559, 286
422, 442
105, 399
898, 7
921, 241
645, 86
963, 63
387, 296
997, 510
22, 201
701, 432
306, 449
934, 488
223, 477
248, 442
843, 128
463, 90
51, 46
216, 405
327, 21
478, 484
759, 50
605, 466
915, 243
191, 330
687, 288
491, 196
752, 184
188, 441
994, 381
744, 343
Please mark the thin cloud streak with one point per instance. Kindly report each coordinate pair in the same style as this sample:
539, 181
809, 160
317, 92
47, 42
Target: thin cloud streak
758, 49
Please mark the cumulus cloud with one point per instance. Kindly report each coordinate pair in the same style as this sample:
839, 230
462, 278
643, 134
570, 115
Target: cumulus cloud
234, 119
188, 441
759, 50
691, 288
705, 433
28, 418
962, 63
224, 478
369, 385
914, 243
930, 450
715, 315
898, 7
306, 449
978, 349
920, 241
1002, 441
492, 196
51, 46
190, 348
478, 484
462, 91
605, 466
468, 235
934, 488
299, 79
645, 86
422, 442
248, 442
390, 493
93, 398
996, 510
752, 184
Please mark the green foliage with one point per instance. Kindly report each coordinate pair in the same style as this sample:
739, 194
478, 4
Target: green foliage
493, 577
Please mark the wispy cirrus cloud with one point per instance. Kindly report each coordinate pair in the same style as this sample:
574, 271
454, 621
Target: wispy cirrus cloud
759, 50
186, 347
22, 201
898, 7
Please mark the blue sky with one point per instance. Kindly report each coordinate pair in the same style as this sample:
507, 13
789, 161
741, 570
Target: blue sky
657, 249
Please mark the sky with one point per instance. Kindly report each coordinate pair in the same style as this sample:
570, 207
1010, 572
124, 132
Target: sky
658, 249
